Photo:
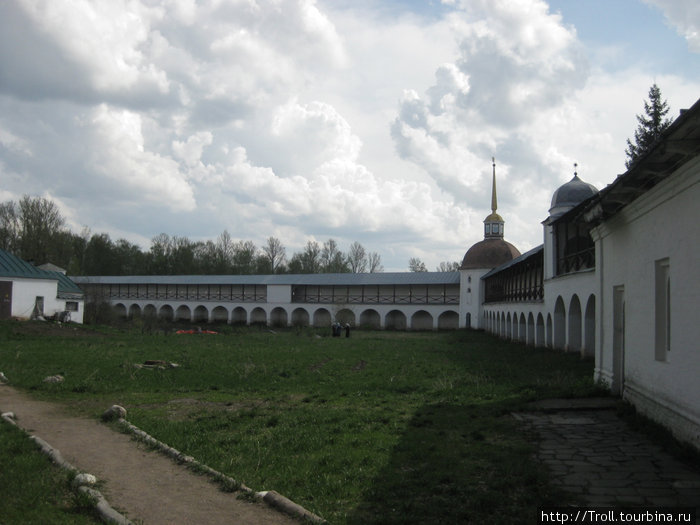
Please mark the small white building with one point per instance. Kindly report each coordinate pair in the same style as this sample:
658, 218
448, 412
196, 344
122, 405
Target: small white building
28, 292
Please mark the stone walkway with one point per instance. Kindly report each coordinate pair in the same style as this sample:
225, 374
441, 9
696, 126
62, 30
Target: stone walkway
594, 455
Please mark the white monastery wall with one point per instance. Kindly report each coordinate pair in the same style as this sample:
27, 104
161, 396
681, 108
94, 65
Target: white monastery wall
648, 254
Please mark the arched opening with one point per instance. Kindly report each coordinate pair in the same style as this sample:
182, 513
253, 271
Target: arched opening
134, 311
322, 318
183, 313
165, 313
258, 316
509, 327
119, 310
468, 320
149, 311
531, 329
219, 315
300, 317
421, 320
448, 320
278, 317
345, 316
559, 324
395, 320
200, 314
589, 328
239, 316
370, 319
539, 331
549, 336
522, 330
574, 325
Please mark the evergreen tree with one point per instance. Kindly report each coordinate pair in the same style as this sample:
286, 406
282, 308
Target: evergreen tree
651, 125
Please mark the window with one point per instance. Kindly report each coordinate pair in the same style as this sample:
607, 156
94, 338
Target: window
72, 306
575, 248
662, 309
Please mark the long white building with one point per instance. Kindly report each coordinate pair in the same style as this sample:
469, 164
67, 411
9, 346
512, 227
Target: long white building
615, 279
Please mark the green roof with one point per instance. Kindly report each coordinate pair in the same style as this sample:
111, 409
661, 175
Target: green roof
13, 266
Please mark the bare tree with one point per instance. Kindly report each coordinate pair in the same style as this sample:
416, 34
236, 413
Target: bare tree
374, 262
9, 226
357, 258
416, 265
225, 249
332, 259
446, 266
274, 253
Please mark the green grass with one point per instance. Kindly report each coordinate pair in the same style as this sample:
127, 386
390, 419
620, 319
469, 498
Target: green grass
383, 427
34, 490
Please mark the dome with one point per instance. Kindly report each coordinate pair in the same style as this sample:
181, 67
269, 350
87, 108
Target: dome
571, 194
489, 253
494, 217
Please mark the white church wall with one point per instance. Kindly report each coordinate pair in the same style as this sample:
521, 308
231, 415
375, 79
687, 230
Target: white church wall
648, 259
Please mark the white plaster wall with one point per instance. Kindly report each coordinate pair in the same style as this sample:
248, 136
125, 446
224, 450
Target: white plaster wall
279, 293
435, 311
471, 297
25, 292
662, 223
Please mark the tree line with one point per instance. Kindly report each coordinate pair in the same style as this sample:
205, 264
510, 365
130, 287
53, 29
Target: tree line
34, 230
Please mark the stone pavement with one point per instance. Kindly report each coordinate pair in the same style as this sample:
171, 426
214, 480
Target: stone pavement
597, 457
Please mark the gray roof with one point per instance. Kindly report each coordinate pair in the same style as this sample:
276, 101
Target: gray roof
572, 193
517, 260
313, 279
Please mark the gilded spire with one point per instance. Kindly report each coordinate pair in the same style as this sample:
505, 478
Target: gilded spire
494, 200
493, 224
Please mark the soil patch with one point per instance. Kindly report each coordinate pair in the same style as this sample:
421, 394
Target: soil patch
359, 366
316, 367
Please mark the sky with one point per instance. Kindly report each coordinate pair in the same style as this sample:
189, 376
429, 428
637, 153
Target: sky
358, 120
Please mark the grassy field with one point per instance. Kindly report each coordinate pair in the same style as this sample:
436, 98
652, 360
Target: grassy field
384, 427
33, 490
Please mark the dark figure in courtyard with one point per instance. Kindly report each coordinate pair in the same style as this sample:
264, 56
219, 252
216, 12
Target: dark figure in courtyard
347, 329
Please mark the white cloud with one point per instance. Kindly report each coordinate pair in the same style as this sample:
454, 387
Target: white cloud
308, 119
684, 15
118, 154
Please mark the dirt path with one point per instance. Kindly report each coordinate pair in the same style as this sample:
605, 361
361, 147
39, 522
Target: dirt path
144, 485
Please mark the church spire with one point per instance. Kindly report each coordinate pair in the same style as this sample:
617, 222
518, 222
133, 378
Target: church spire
494, 200
493, 224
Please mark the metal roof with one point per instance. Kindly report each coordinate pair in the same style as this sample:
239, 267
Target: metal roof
311, 279
536, 250
13, 266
